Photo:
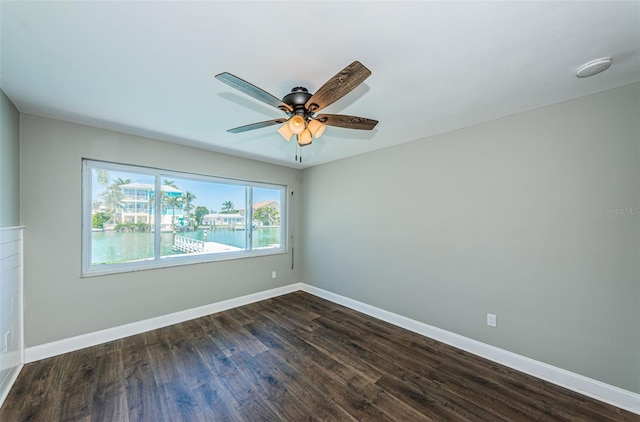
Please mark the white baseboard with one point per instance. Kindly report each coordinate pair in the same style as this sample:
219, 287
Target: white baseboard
589, 387
8, 383
71, 344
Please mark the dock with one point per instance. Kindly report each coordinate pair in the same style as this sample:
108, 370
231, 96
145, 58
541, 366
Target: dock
189, 245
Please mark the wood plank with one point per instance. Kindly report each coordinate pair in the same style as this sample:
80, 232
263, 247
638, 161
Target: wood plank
215, 403
240, 316
236, 337
109, 399
142, 393
32, 398
334, 379
77, 384
286, 388
179, 403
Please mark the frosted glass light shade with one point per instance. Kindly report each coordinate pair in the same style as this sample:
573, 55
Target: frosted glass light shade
316, 128
304, 138
297, 124
285, 131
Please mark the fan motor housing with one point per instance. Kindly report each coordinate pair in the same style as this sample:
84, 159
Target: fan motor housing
297, 98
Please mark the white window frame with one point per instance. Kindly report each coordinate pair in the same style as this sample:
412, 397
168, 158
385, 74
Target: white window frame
159, 261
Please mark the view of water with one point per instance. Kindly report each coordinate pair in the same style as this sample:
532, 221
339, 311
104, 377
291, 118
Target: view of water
112, 247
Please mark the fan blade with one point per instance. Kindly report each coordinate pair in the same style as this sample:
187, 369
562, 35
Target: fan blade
252, 90
338, 86
256, 125
349, 122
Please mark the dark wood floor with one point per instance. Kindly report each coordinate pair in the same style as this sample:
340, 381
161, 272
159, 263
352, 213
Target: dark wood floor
292, 358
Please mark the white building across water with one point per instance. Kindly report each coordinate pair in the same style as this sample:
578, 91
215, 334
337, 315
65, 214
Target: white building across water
137, 204
226, 220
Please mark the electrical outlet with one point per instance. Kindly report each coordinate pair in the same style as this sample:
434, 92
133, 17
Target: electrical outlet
491, 320
274, 274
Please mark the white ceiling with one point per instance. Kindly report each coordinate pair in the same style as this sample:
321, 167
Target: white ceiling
147, 67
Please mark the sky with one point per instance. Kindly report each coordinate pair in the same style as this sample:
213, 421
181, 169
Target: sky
208, 194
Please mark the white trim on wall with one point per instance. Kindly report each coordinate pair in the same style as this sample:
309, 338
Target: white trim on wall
589, 387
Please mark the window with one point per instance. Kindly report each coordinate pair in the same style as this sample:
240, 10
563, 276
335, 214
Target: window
194, 218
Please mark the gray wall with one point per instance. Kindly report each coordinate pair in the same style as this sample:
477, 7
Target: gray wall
59, 303
508, 217
9, 164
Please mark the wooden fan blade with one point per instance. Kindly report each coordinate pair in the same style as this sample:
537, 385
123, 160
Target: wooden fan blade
258, 125
349, 122
338, 86
252, 90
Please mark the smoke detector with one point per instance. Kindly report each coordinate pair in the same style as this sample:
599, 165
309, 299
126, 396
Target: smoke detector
594, 67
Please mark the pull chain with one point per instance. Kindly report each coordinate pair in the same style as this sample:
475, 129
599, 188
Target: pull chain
298, 153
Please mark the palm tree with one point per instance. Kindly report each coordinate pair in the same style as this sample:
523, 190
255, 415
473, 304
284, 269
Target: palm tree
112, 199
103, 176
227, 207
172, 202
113, 196
188, 199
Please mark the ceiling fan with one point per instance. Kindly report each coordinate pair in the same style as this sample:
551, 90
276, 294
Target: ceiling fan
301, 107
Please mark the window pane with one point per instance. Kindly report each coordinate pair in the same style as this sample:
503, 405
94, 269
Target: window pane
267, 230
200, 217
121, 218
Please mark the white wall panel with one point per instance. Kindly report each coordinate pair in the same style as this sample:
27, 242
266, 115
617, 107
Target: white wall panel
11, 315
